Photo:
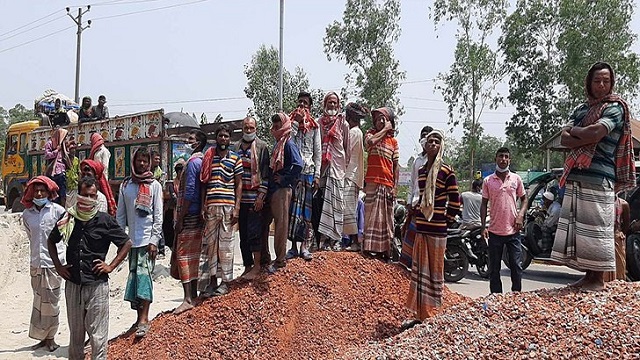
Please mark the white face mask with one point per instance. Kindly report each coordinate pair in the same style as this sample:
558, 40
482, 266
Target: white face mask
501, 170
222, 147
333, 112
248, 137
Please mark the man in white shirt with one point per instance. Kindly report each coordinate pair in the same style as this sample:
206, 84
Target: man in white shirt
471, 201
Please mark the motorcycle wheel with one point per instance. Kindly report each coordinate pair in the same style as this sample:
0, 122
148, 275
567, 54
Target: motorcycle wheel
633, 257
482, 266
525, 259
396, 249
456, 264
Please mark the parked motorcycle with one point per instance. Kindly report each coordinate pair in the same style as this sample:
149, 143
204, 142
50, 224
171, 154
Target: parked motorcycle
464, 247
399, 217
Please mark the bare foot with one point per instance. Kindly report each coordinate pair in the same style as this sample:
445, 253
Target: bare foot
255, 271
246, 270
39, 345
182, 308
52, 346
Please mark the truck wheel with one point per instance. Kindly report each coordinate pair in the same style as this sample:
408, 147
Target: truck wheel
17, 206
633, 257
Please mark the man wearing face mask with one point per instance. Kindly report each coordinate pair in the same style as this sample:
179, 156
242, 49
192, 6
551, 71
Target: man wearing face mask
88, 233
503, 189
189, 224
255, 184
336, 153
39, 218
140, 208
305, 134
222, 177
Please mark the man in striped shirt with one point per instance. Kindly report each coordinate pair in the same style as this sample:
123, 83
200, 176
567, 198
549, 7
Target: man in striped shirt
222, 177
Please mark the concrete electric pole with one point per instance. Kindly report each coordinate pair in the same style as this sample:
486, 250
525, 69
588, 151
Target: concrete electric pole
280, 75
78, 21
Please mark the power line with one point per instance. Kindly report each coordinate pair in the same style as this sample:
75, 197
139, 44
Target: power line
32, 28
180, 101
123, 2
25, 25
436, 109
36, 39
149, 10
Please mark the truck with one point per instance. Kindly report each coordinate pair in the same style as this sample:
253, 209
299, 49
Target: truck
166, 133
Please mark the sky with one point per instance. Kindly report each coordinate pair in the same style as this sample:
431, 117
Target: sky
190, 55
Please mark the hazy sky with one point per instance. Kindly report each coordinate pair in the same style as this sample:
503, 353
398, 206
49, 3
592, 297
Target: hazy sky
198, 51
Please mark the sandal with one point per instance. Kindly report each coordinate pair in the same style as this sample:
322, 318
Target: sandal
223, 289
409, 323
142, 330
306, 255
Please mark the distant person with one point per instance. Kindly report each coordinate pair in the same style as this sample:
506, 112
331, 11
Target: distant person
100, 153
87, 233
55, 152
156, 169
86, 112
471, 203
39, 219
354, 176
59, 115
188, 220
170, 196
72, 174
381, 180
413, 201
621, 228
101, 110
501, 191
600, 163
140, 209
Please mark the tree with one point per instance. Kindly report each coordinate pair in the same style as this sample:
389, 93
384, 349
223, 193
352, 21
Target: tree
470, 85
458, 153
262, 87
19, 113
597, 31
364, 41
528, 43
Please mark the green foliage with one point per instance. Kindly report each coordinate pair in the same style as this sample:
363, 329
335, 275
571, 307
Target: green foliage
364, 41
262, 87
458, 154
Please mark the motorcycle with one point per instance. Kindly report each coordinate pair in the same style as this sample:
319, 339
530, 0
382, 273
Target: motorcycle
456, 260
536, 245
399, 218
472, 246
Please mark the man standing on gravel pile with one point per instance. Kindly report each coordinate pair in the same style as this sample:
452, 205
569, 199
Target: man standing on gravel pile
39, 218
503, 189
600, 163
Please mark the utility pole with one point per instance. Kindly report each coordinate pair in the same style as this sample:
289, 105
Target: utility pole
280, 79
78, 21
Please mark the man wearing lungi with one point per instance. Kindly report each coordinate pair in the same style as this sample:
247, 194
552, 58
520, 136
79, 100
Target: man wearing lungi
600, 163
354, 175
438, 205
305, 134
381, 180
336, 153
39, 218
502, 190
285, 165
255, 184
189, 224
222, 177
88, 233
140, 209
413, 198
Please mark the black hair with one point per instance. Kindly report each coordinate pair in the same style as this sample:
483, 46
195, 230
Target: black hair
276, 118
87, 181
102, 97
222, 127
476, 184
426, 130
355, 112
142, 151
154, 153
596, 67
303, 94
201, 137
503, 150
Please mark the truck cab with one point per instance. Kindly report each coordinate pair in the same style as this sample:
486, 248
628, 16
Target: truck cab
15, 170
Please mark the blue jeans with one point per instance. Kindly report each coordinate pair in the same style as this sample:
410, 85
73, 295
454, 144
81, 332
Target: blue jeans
514, 251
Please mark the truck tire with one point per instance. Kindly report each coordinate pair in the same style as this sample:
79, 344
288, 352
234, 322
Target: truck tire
17, 206
633, 257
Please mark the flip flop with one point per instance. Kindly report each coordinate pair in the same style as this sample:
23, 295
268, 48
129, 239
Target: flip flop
409, 323
142, 330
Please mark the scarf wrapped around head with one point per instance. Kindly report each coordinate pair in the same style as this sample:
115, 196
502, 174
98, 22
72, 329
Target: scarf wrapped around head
356, 111
102, 182
304, 119
389, 114
281, 136
84, 210
27, 197
96, 142
581, 157
144, 181
330, 128
428, 195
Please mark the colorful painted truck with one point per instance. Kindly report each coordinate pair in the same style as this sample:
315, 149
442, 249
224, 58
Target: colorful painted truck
24, 151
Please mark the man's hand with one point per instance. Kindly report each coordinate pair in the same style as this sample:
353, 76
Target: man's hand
100, 267
257, 206
485, 233
316, 183
64, 271
519, 222
153, 251
234, 217
393, 192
